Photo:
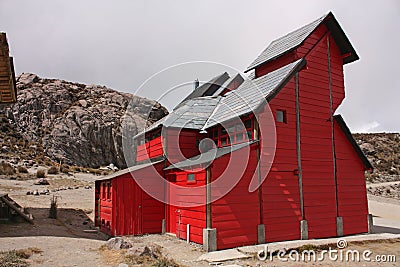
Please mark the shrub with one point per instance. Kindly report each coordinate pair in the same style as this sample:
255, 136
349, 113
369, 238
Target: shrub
64, 168
40, 174
52, 170
22, 169
6, 168
95, 171
53, 208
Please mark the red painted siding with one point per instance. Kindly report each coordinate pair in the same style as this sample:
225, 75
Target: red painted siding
182, 144
195, 216
149, 150
128, 209
352, 195
280, 191
236, 215
275, 64
316, 140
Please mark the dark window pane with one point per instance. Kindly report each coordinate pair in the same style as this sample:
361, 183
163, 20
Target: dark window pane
239, 137
223, 131
239, 127
223, 141
216, 133
191, 177
280, 116
250, 135
247, 124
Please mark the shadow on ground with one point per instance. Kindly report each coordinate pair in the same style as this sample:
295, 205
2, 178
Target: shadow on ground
383, 229
73, 223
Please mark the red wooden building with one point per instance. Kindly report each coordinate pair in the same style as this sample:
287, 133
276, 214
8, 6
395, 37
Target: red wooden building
312, 185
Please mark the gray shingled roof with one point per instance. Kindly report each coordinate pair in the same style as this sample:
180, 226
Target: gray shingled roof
204, 112
286, 43
203, 90
129, 170
208, 156
238, 78
294, 39
250, 94
193, 114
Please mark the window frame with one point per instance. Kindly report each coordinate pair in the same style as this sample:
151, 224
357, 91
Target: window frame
191, 181
284, 116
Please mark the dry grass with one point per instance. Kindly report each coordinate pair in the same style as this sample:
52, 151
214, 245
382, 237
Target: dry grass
22, 169
65, 182
40, 173
7, 188
152, 259
6, 169
17, 258
52, 170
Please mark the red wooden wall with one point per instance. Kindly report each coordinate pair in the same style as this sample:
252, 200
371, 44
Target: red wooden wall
181, 215
280, 191
149, 150
316, 140
181, 144
353, 204
236, 215
129, 210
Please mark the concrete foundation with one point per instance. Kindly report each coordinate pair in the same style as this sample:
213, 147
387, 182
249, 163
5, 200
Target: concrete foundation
261, 233
163, 227
303, 230
370, 224
210, 239
339, 226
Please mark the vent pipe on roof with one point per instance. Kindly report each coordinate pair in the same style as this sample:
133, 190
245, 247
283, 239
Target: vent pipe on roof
196, 84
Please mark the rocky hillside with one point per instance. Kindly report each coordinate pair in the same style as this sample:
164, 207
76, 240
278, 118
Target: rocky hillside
383, 151
73, 123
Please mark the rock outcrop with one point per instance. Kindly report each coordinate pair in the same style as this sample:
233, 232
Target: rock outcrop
383, 151
78, 124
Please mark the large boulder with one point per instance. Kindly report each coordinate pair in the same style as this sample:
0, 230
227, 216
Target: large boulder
78, 124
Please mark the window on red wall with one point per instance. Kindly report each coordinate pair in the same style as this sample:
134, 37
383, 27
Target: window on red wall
233, 133
109, 190
281, 116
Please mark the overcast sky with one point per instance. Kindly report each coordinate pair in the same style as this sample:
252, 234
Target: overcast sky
120, 44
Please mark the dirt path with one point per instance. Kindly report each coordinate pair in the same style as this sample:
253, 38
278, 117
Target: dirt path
382, 184
58, 251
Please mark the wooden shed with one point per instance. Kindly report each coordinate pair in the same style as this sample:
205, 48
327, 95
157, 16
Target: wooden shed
123, 208
275, 128
8, 90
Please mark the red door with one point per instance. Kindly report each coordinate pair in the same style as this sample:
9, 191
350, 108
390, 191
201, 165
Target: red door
138, 224
172, 211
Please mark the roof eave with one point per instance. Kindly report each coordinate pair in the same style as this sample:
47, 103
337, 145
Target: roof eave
342, 124
340, 37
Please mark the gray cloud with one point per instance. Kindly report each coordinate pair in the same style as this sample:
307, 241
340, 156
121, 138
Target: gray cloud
122, 43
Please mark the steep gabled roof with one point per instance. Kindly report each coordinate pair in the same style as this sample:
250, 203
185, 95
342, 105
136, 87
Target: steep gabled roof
252, 93
192, 114
208, 156
237, 78
296, 38
204, 112
346, 131
206, 89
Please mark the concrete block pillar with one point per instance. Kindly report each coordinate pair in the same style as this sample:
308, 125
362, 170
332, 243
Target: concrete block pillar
370, 224
261, 233
339, 226
303, 230
210, 239
163, 227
